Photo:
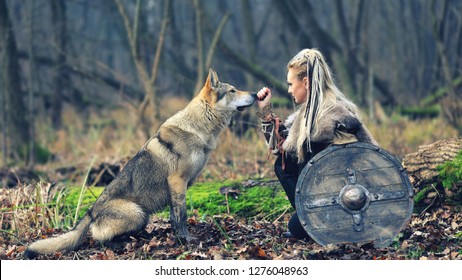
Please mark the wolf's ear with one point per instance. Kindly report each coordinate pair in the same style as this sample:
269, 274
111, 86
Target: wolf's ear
213, 79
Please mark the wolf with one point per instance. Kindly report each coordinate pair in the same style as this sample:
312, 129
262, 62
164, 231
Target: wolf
160, 173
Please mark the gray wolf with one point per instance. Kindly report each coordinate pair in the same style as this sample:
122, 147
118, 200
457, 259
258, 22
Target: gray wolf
160, 172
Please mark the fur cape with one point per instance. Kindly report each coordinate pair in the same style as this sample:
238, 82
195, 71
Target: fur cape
338, 126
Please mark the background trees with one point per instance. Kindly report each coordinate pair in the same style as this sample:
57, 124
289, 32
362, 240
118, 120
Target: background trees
400, 56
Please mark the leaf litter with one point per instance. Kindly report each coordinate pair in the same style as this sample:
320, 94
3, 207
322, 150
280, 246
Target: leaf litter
433, 235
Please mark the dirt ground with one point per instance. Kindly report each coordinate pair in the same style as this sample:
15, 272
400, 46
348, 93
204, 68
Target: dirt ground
431, 235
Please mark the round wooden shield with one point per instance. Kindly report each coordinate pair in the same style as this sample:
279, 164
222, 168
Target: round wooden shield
354, 193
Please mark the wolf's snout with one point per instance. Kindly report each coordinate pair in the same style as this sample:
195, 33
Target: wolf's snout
254, 95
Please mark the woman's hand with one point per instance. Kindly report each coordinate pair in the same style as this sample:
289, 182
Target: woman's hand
263, 97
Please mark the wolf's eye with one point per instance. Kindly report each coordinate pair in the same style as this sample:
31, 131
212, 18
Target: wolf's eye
232, 90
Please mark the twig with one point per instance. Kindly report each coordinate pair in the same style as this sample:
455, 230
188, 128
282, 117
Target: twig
431, 204
223, 232
18, 239
283, 213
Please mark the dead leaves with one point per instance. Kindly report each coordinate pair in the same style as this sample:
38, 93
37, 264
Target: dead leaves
106, 255
257, 252
433, 235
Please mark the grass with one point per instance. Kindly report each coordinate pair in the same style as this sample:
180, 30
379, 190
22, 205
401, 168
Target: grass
37, 207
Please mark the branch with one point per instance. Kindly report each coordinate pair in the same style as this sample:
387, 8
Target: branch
216, 38
93, 76
254, 69
200, 47
136, 21
128, 29
160, 43
149, 97
140, 66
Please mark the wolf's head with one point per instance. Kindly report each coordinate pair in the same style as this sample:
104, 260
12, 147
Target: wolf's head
225, 97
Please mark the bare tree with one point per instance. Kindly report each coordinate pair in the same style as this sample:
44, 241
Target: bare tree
61, 75
18, 133
147, 79
251, 38
200, 45
452, 105
32, 75
205, 63
351, 35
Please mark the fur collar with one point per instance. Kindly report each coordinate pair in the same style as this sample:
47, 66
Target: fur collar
292, 124
337, 118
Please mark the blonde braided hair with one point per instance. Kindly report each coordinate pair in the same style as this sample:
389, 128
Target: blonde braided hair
322, 93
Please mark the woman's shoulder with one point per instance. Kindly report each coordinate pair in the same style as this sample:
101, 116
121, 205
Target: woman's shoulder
340, 111
337, 116
341, 106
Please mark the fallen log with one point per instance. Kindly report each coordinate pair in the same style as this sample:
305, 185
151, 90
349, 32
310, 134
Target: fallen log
422, 166
424, 173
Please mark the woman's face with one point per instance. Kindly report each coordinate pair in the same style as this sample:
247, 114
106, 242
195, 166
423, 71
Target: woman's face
297, 88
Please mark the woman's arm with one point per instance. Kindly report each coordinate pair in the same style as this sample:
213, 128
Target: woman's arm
272, 128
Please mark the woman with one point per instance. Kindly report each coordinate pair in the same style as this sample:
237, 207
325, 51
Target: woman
324, 117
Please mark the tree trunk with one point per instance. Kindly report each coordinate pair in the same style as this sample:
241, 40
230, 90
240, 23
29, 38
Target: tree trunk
348, 50
452, 106
422, 165
61, 75
15, 109
156, 63
250, 37
144, 119
200, 46
32, 76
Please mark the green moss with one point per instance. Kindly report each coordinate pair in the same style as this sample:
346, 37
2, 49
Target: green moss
451, 172
421, 195
204, 199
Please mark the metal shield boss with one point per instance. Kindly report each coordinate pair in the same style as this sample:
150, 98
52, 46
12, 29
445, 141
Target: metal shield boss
354, 193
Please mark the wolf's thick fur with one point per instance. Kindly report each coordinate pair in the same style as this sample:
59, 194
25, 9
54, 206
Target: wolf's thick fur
160, 173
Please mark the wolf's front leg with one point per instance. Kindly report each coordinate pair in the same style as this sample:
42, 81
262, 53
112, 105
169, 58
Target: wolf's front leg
178, 215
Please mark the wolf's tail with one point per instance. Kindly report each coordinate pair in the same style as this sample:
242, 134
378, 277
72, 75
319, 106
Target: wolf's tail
68, 241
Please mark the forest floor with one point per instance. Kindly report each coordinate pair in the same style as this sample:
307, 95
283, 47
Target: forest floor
434, 234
